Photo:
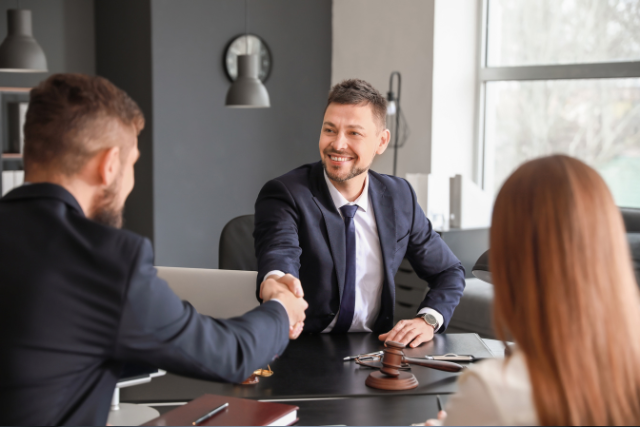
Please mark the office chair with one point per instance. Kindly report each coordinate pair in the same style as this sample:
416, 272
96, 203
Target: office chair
631, 218
236, 250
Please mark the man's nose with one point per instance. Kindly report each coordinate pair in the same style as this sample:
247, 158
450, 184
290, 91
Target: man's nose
340, 142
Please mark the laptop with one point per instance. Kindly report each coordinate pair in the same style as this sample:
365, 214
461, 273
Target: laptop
217, 293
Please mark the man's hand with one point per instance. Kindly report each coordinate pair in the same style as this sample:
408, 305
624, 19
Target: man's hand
288, 280
415, 331
283, 290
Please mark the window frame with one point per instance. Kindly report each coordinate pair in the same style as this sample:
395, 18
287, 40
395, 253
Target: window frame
486, 74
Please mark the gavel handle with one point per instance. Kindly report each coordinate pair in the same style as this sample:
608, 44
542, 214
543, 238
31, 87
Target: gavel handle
440, 365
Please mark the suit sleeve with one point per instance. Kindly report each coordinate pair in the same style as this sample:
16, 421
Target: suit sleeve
434, 262
276, 232
158, 329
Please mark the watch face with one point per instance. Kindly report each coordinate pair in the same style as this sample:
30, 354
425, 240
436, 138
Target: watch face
243, 45
430, 319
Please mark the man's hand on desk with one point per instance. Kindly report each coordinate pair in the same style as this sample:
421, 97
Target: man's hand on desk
288, 290
411, 331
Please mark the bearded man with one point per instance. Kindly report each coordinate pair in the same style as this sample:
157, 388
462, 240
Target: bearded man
343, 230
78, 296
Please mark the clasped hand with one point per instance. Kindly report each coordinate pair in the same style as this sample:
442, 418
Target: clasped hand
411, 332
288, 290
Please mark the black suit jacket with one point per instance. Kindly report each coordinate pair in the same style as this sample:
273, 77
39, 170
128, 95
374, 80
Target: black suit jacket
298, 230
77, 299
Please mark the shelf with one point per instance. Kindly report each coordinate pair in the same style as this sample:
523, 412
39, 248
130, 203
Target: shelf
11, 156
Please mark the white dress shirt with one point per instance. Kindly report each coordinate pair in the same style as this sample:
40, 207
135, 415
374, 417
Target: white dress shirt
369, 263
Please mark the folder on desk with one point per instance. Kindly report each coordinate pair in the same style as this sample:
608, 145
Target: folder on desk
241, 412
468, 344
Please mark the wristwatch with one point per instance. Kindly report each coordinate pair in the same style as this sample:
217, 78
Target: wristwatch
431, 320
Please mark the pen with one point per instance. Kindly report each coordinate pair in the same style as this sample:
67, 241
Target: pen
210, 414
453, 357
439, 403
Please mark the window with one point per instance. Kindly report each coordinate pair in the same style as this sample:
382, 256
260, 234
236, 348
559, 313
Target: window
562, 76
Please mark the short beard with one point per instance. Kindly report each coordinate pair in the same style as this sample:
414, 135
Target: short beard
105, 210
355, 171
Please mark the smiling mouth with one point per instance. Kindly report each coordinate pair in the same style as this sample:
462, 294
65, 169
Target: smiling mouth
339, 159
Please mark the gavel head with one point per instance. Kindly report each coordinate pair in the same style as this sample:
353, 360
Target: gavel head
392, 357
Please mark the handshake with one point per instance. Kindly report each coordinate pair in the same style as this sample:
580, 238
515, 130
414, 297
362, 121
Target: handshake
288, 290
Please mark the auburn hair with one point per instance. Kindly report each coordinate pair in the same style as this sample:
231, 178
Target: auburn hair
67, 116
565, 292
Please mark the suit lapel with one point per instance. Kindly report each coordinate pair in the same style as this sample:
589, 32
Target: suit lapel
385, 220
333, 222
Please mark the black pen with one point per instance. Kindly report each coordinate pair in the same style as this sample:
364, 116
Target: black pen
210, 414
439, 403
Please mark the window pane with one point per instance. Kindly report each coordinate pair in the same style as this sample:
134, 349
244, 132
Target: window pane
544, 32
597, 121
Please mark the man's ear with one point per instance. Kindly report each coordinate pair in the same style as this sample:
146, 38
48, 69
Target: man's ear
385, 137
109, 166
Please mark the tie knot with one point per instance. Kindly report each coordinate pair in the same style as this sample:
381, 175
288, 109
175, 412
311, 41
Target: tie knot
349, 211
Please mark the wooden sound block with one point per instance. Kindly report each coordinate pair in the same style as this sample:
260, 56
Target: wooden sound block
404, 381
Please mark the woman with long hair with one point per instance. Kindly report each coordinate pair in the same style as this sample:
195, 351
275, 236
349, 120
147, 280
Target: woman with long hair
565, 293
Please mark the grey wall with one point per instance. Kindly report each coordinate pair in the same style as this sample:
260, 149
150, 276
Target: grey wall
64, 29
123, 45
402, 39
210, 161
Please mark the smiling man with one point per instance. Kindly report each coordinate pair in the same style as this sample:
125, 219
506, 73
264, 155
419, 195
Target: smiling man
343, 230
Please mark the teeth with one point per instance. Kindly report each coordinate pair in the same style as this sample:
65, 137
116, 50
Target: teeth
338, 159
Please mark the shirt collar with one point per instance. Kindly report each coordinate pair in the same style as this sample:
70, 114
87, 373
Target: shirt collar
340, 201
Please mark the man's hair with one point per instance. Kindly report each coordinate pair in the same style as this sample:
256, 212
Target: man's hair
357, 91
67, 115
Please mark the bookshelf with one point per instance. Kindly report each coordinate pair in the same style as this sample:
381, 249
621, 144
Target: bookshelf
10, 161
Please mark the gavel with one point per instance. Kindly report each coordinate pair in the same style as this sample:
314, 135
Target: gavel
393, 357
391, 378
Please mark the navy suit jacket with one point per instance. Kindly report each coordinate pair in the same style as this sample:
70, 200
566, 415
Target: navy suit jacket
298, 230
78, 299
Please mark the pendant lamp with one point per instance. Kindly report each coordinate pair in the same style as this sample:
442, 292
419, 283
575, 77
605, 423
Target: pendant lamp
20, 52
247, 91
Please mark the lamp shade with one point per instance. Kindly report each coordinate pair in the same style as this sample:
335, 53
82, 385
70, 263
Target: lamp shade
391, 103
248, 91
20, 52
481, 268
391, 108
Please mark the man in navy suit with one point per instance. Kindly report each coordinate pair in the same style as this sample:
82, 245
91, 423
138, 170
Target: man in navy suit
343, 230
78, 296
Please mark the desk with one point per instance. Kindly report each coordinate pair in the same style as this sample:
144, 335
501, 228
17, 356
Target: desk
362, 411
313, 367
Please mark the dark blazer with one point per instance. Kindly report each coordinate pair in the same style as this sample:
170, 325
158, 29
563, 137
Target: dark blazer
298, 230
77, 299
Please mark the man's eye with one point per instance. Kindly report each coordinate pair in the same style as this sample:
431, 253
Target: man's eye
328, 130
355, 133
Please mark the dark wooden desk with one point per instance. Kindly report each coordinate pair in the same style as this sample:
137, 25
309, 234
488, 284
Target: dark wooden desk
313, 367
362, 411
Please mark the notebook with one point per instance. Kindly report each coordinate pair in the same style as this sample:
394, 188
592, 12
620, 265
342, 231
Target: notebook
241, 412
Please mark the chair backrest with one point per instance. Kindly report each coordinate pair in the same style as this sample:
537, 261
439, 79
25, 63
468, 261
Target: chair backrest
217, 293
236, 251
631, 219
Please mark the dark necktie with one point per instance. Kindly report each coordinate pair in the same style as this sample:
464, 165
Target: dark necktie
348, 301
